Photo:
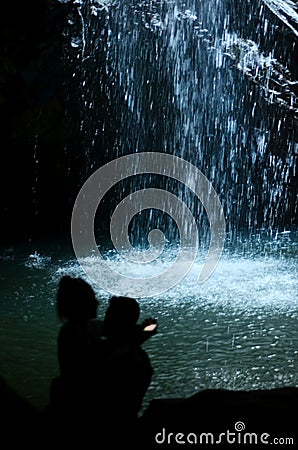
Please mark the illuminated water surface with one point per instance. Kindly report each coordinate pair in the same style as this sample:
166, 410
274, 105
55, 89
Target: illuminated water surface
238, 330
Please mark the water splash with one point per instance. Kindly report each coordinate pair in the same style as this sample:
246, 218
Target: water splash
253, 275
37, 261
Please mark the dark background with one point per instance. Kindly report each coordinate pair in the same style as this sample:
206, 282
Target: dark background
42, 161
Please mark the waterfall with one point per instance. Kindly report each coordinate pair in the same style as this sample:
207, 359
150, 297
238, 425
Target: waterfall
210, 82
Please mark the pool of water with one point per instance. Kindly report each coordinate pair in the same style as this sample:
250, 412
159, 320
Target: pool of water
238, 330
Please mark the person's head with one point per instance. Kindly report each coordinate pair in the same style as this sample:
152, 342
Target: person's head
121, 316
75, 299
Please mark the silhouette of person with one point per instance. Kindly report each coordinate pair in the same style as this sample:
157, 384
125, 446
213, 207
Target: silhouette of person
74, 394
104, 372
128, 370
77, 306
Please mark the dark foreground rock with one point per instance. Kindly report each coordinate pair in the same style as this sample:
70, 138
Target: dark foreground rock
22, 425
209, 419
226, 419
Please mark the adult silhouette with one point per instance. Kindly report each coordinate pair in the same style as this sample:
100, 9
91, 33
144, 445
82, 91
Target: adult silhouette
75, 393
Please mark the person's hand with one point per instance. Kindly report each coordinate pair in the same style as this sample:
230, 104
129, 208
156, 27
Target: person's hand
149, 326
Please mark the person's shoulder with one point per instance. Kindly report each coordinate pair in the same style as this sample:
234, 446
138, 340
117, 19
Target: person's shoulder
68, 326
69, 330
95, 328
65, 327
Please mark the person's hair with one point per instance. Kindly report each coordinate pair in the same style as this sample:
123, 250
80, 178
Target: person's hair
75, 298
124, 308
121, 316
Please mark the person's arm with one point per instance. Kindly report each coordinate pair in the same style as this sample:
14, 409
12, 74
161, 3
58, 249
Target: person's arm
146, 330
